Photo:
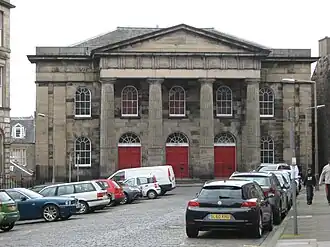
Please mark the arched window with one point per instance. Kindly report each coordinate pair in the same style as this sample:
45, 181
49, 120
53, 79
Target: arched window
267, 150
83, 152
83, 102
177, 139
266, 101
224, 101
177, 102
129, 102
129, 139
224, 139
18, 131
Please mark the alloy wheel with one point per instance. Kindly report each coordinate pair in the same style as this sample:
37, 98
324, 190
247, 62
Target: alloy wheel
50, 213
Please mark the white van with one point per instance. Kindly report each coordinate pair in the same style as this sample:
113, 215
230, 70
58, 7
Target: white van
164, 175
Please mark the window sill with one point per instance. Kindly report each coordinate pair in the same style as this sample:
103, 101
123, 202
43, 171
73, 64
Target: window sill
83, 117
267, 116
83, 166
224, 115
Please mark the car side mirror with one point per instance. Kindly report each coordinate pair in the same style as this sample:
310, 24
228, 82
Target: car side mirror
23, 198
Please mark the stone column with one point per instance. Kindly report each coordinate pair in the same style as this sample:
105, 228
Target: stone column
251, 126
206, 139
107, 128
155, 126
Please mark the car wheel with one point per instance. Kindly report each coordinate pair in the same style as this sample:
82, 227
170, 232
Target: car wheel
258, 228
83, 207
277, 216
50, 213
191, 232
8, 227
125, 200
152, 194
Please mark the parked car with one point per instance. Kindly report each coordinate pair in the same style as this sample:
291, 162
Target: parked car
32, 205
165, 175
131, 193
107, 185
229, 205
272, 189
148, 185
39, 187
9, 213
90, 195
286, 186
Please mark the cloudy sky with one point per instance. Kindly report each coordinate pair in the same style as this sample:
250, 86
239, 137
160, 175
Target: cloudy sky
277, 24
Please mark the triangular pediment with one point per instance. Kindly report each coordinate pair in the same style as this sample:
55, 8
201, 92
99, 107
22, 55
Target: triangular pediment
186, 39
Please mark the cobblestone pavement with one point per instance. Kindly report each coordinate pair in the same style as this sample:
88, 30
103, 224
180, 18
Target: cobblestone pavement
147, 223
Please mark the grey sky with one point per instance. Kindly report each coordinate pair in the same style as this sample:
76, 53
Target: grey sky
277, 24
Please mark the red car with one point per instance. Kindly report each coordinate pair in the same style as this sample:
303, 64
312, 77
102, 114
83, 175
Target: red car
115, 191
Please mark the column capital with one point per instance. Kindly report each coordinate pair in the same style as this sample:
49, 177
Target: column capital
108, 80
207, 80
155, 80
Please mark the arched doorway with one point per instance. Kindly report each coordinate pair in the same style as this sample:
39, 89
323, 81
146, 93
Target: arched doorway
177, 154
224, 155
129, 151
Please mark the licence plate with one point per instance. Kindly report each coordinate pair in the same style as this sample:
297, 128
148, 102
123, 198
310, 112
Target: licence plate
219, 217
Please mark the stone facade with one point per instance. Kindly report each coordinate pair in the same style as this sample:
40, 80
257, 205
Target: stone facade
5, 139
321, 76
153, 61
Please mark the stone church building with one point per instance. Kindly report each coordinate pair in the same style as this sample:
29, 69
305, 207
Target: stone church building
203, 101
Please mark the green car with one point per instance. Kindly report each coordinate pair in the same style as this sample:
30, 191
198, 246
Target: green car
9, 213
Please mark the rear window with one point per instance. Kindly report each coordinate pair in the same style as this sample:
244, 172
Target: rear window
220, 192
262, 181
284, 168
102, 184
116, 185
4, 197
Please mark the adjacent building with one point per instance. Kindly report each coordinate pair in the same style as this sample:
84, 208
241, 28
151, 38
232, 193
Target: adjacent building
206, 102
5, 139
321, 76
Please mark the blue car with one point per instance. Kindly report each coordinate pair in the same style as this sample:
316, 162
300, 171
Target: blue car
32, 205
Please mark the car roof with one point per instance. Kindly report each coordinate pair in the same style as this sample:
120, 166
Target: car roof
251, 174
229, 182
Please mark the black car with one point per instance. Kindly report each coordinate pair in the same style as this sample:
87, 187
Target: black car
272, 189
229, 205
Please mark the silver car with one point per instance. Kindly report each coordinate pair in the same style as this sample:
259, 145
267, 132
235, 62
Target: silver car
284, 179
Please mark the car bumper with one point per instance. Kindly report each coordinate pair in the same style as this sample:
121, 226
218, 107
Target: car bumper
8, 218
133, 195
98, 203
68, 210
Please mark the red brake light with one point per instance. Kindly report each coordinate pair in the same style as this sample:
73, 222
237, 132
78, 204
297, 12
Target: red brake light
193, 204
249, 204
270, 191
100, 194
169, 174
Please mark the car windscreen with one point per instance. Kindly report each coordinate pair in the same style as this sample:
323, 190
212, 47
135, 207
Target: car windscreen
4, 197
280, 179
220, 192
261, 180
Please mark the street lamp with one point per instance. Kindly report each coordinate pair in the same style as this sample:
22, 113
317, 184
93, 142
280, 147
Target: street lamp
306, 132
53, 164
316, 149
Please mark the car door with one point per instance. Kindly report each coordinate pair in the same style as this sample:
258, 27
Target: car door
145, 185
65, 190
26, 206
265, 205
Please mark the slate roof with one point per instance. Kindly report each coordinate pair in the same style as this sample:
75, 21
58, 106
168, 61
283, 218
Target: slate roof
123, 33
28, 123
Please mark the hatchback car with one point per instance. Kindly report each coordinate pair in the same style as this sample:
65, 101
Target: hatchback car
9, 213
272, 189
229, 205
148, 185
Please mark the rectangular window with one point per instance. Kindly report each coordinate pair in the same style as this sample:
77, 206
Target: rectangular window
1, 29
19, 156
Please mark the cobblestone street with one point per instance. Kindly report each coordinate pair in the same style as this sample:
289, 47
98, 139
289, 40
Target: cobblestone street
146, 223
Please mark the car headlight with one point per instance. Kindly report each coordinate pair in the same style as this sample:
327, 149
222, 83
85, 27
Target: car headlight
67, 203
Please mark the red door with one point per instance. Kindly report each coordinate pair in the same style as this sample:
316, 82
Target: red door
177, 157
129, 157
224, 161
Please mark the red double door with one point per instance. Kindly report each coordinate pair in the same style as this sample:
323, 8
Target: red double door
224, 161
129, 157
177, 157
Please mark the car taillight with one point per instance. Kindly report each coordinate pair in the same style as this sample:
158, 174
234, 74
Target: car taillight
100, 194
269, 192
193, 204
156, 185
169, 174
249, 204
